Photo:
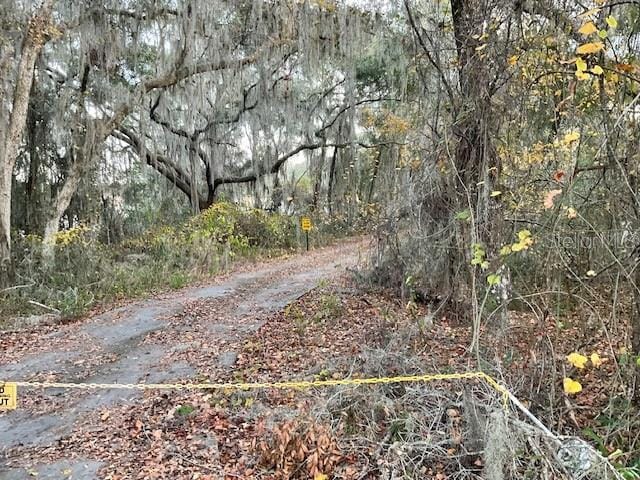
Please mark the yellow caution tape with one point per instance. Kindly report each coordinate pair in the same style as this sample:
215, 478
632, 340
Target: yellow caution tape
279, 385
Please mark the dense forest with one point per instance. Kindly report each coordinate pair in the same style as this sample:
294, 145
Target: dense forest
487, 150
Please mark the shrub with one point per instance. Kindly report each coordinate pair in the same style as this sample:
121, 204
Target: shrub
268, 230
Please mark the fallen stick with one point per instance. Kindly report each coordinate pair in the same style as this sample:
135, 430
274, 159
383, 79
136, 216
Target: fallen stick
46, 307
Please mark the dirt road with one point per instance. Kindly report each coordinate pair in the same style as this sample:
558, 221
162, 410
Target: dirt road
131, 344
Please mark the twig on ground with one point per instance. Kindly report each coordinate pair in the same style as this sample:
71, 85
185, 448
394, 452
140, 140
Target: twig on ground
46, 307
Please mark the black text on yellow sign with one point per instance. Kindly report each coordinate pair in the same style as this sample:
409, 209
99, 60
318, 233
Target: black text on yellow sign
305, 223
8, 396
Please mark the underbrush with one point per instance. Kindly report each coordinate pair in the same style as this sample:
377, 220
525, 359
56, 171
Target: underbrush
538, 307
86, 272
460, 428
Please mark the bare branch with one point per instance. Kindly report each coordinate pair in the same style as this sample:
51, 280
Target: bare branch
161, 164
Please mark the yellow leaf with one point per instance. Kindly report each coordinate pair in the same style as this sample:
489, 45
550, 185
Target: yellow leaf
588, 28
582, 76
513, 60
597, 70
587, 48
577, 360
522, 245
571, 386
481, 47
617, 453
571, 137
612, 22
524, 234
496, 193
320, 476
571, 212
525, 240
596, 361
581, 65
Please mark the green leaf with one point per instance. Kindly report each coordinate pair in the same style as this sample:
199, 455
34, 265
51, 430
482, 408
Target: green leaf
463, 215
493, 279
478, 249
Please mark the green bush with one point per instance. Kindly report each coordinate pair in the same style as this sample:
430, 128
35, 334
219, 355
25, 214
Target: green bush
268, 230
178, 280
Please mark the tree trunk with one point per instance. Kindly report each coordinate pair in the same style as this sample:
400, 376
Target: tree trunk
374, 175
194, 172
332, 173
473, 157
32, 206
317, 184
211, 186
474, 169
62, 201
34, 40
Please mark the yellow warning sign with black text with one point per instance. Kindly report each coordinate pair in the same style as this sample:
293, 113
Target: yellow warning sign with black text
8, 396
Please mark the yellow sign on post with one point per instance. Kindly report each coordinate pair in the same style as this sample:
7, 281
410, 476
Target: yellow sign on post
305, 223
8, 396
